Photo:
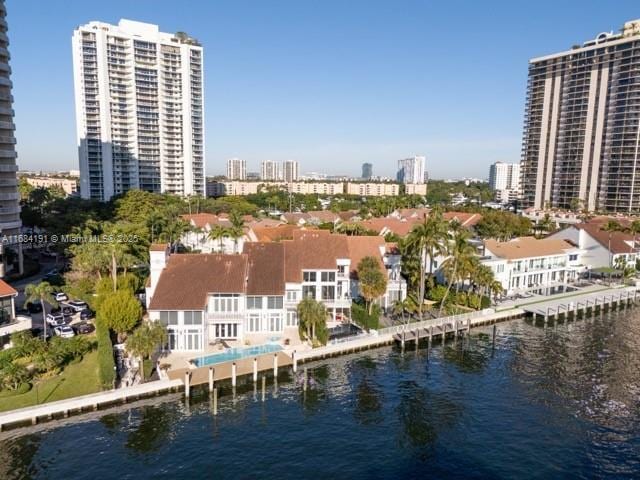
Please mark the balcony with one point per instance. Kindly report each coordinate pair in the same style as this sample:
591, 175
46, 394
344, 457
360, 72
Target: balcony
220, 317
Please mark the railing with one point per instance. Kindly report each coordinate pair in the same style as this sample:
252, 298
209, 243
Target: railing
433, 322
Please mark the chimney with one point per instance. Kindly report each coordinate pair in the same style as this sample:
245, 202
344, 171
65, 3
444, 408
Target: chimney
158, 256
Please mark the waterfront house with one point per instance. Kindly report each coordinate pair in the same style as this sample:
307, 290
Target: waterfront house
252, 297
9, 323
601, 248
527, 263
198, 238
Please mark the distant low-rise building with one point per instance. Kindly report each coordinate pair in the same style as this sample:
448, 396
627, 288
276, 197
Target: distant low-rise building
415, 189
372, 189
69, 185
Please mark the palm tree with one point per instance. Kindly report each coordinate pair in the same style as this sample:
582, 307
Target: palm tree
218, 232
311, 315
427, 238
460, 251
237, 228
610, 227
634, 230
408, 305
41, 292
545, 225
145, 340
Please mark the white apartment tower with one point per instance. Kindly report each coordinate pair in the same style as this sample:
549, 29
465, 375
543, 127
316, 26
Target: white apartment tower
139, 110
581, 141
270, 170
236, 169
290, 169
9, 197
411, 170
504, 180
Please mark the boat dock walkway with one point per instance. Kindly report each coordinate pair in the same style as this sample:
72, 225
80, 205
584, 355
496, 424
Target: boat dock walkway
91, 402
575, 306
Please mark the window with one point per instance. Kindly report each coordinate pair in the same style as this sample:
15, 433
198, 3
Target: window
308, 291
169, 318
254, 303
274, 302
254, 322
292, 318
292, 295
275, 322
573, 258
225, 303
328, 292
309, 276
226, 330
193, 318
328, 276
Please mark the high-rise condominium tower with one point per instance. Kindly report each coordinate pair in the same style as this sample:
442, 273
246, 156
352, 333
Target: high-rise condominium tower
504, 180
367, 171
290, 171
582, 126
270, 170
411, 170
236, 169
9, 198
139, 108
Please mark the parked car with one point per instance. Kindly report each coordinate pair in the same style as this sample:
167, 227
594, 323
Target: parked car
86, 314
83, 328
67, 311
34, 307
64, 331
77, 305
55, 319
39, 332
60, 296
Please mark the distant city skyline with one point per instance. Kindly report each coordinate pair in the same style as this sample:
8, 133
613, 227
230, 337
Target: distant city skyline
331, 100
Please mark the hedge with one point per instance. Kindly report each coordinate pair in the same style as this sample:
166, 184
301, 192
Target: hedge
106, 363
360, 315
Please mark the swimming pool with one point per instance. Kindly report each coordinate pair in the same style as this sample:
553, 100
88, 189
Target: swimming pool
236, 353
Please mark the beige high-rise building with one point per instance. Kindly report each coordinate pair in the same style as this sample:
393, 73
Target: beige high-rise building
581, 141
139, 110
9, 197
270, 171
236, 169
290, 171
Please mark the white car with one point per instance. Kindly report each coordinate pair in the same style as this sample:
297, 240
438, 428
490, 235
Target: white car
55, 319
61, 297
77, 305
64, 331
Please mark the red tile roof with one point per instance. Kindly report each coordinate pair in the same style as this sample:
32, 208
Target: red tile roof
365, 246
188, 278
618, 239
158, 247
312, 250
7, 290
266, 268
466, 219
275, 234
201, 220
399, 227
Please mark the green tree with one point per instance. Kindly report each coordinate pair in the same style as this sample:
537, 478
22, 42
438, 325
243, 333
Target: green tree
41, 292
236, 230
312, 317
120, 311
459, 254
13, 375
219, 233
106, 363
427, 239
372, 281
145, 340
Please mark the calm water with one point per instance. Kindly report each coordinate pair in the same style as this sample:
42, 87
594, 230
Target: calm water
557, 403
236, 354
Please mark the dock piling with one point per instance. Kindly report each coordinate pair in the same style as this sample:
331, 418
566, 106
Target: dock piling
233, 374
210, 379
275, 365
255, 370
264, 386
187, 378
295, 361
215, 400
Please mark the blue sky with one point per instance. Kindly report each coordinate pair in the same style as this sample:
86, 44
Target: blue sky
330, 83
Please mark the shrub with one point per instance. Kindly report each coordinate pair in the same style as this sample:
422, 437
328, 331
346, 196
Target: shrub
485, 302
437, 293
106, 364
26, 345
360, 315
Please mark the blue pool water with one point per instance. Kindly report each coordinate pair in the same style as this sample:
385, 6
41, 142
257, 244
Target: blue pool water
236, 354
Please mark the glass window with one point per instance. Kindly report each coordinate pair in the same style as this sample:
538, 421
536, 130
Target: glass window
292, 318
328, 276
274, 302
254, 303
309, 276
254, 322
173, 318
193, 318
292, 295
328, 292
308, 291
164, 318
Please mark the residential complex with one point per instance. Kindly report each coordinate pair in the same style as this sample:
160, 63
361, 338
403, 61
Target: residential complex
270, 170
411, 170
504, 181
69, 185
367, 171
236, 169
252, 296
139, 110
290, 171
376, 189
9, 197
581, 142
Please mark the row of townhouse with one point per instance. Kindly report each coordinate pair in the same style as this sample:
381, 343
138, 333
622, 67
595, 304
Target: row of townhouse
252, 296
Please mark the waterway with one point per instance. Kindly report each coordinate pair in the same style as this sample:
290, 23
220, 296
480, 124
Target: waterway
560, 402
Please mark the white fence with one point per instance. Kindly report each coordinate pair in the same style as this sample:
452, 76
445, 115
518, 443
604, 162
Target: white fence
434, 322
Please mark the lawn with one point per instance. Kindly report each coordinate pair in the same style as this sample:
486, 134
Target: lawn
76, 379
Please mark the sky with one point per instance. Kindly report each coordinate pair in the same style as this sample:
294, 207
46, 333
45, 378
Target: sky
329, 83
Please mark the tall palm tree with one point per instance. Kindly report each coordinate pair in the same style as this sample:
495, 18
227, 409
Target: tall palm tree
237, 228
460, 252
402, 307
610, 227
428, 239
218, 232
311, 314
41, 292
634, 230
